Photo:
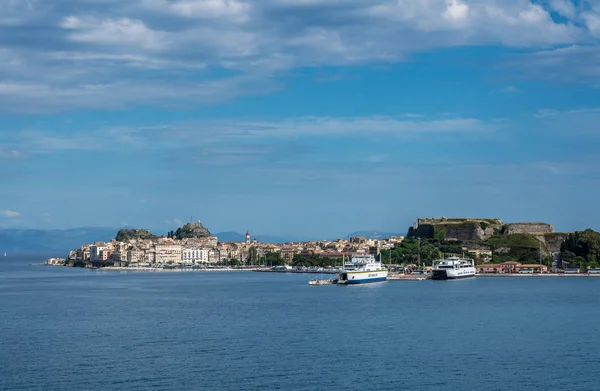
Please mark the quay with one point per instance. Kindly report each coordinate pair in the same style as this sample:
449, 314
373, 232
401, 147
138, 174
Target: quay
295, 271
407, 277
171, 270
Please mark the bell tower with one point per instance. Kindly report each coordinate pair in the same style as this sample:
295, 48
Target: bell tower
247, 237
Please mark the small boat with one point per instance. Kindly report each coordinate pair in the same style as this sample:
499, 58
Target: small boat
317, 282
452, 268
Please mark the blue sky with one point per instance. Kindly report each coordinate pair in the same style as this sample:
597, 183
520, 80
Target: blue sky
299, 117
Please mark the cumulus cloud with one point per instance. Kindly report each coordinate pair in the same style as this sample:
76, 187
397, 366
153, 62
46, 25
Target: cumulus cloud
565, 8
120, 32
69, 54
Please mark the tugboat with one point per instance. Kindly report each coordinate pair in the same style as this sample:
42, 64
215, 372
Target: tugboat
362, 269
452, 268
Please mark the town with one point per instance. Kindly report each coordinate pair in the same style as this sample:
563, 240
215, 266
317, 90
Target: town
496, 248
199, 248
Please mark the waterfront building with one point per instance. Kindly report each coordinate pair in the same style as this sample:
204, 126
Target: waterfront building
214, 256
512, 267
195, 255
287, 253
98, 253
211, 241
483, 255
136, 256
168, 253
120, 254
86, 254
150, 256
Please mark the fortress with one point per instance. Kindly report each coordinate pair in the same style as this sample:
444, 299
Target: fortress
474, 229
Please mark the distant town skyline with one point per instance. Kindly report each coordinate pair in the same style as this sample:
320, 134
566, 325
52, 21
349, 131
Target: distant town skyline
298, 118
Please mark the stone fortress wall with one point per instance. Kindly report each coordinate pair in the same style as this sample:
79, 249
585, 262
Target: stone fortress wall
527, 228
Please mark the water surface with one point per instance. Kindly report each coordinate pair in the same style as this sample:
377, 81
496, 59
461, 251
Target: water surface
75, 329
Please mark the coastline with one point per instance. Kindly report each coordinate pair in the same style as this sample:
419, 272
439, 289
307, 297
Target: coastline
159, 269
391, 276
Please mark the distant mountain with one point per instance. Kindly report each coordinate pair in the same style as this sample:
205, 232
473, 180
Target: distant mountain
37, 240
373, 234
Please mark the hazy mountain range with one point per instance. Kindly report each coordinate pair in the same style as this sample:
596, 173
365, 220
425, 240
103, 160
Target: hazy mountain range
37, 240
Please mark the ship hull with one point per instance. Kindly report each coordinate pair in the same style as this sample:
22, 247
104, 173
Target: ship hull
450, 275
352, 278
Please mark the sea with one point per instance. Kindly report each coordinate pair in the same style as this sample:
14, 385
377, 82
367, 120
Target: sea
78, 329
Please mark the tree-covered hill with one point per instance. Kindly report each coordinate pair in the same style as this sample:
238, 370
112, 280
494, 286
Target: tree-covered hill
582, 249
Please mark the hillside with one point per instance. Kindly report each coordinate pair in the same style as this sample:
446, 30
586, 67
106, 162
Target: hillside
508, 241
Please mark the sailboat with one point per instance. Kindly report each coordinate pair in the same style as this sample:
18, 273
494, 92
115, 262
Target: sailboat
5, 253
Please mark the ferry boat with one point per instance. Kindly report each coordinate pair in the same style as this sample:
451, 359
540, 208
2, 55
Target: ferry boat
362, 269
452, 268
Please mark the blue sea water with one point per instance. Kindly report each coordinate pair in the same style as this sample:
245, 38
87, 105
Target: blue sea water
75, 329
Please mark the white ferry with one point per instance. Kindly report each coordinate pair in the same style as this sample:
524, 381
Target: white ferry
452, 268
362, 269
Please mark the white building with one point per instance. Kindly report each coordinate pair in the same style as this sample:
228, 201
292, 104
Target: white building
149, 257
214, 256
97, 253
169, 254
195, 255
136, 256
120, 253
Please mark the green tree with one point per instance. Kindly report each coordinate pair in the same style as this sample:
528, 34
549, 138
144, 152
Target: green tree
274, 259
252, 256
582, 249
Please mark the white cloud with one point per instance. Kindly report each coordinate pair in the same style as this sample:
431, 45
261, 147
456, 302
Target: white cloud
92, 57
571, 64
547, 113
207, 9
563, 7
581, 123
206, 133
592, 20
219, 132
174, 222
9, 153
509, 89
10, 213
115, 32
379, 158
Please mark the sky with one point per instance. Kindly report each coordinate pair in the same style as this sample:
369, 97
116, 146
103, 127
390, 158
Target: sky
310, 118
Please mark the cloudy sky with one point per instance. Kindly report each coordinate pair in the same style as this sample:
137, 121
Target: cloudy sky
300, 117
